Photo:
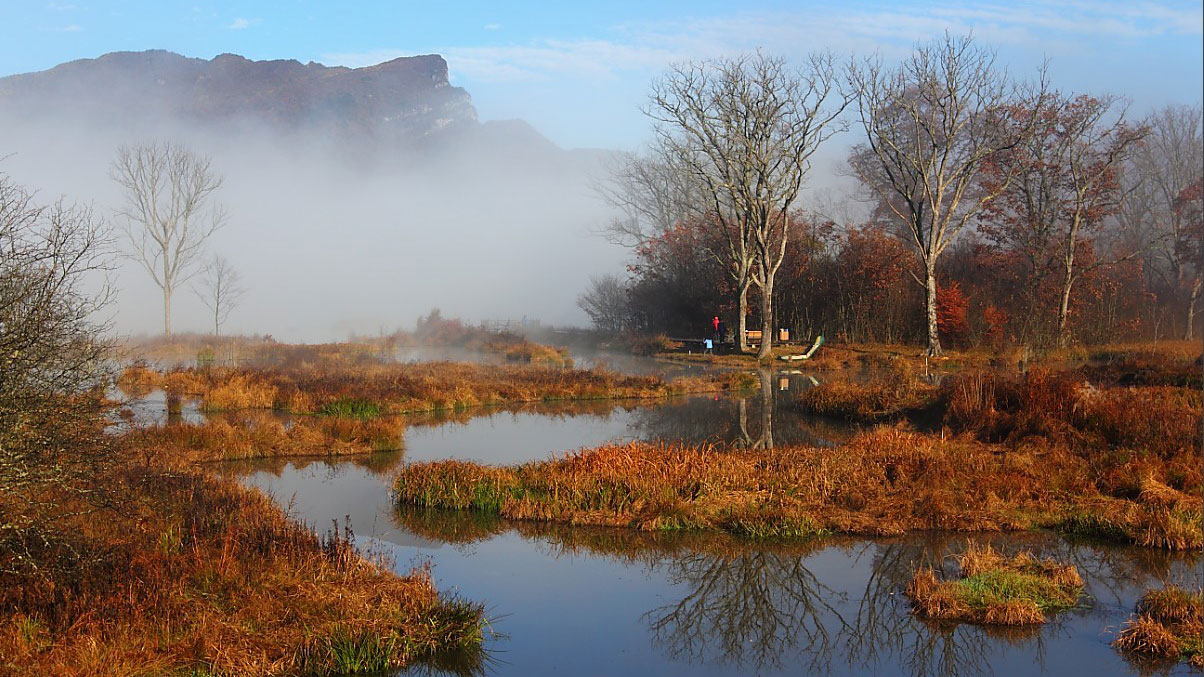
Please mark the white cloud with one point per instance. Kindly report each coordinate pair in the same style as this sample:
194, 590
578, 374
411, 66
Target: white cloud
241, 24
492, 27
73, 28
891, 31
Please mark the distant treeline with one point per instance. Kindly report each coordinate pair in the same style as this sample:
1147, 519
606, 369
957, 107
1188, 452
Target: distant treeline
995, 211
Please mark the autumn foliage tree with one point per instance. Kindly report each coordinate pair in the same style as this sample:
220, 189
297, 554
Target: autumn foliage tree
1054, 189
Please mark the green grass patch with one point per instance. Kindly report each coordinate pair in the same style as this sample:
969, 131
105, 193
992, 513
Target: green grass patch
999, 587
351, 408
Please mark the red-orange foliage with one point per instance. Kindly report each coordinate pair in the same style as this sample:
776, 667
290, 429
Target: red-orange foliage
951, 314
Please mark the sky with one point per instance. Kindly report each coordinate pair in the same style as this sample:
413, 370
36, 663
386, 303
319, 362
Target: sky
579, 72
329, 252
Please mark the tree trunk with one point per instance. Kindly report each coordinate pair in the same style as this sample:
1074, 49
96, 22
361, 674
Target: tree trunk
766, 348
1064, 303
1191, 307
742, 321
1067, 282
934, 336
167, 310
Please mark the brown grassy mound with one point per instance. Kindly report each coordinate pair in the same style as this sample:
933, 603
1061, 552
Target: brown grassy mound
198, 575
884, 481
1168, 625
259, 434
996, 590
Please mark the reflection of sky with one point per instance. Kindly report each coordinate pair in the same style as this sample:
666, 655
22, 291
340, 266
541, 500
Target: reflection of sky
594, 614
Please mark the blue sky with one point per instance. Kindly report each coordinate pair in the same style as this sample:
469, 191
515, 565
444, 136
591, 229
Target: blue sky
579, 72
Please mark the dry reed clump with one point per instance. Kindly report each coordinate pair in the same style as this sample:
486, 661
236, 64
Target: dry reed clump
1168, 625
1058, 406
792, 491
240, 391
895, 396
996, 590
138, 379
536, 353
200, 574
243, 435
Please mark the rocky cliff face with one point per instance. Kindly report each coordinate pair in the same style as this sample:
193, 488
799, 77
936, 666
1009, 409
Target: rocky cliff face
405, 101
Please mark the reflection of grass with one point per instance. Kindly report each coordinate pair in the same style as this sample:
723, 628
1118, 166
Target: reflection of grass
457, 527
1168, 625
994, 589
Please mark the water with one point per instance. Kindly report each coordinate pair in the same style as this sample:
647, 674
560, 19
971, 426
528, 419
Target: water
616, 602
580, 601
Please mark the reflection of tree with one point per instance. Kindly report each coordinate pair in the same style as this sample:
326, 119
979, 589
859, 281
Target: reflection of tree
766, 402
754, 607
877, 632
759, 421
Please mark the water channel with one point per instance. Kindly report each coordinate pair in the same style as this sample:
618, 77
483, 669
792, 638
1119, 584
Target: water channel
578, 601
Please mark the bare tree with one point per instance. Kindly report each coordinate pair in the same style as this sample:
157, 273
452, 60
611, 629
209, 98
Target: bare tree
931, 125
606, 303
1169, 162
219, 290
744, 129
652, 193
169, 211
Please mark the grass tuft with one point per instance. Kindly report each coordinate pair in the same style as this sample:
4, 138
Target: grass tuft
1167, 626
996, 590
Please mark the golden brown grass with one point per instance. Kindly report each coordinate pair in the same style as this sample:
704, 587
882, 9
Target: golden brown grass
993, 589
527, 352
260, 434
1168, 625
893, 396
195, 573
397, 388
883, 481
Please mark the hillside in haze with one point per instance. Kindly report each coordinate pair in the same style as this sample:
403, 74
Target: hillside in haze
359, 198
401, 101
406, 103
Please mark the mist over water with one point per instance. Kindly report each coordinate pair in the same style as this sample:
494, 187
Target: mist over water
333, 235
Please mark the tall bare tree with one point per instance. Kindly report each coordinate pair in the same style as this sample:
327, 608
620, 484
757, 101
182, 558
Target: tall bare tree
744, 129
169, 211
652, 192
219, 290
606, 303
1169, 162
932, 123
